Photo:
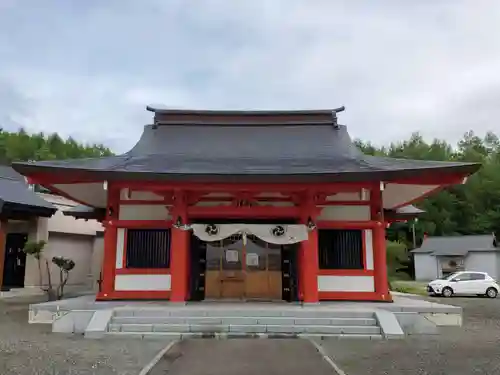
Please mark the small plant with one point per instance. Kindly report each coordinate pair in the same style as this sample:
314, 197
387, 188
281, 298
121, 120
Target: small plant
65, 266
35, 249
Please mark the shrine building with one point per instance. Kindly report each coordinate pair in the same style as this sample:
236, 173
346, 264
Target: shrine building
245, 205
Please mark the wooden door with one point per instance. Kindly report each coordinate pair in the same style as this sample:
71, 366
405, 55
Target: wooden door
225, 275
263, 270
250, 271
15, 261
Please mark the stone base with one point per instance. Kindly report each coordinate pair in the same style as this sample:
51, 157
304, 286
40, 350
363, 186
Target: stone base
403, 316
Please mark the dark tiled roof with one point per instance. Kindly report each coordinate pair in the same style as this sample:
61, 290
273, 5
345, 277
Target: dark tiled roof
274, 151
85, 212
456, 245
15, 196
403, 213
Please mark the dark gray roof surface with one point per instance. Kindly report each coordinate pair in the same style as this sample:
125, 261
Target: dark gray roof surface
167, 110
14, 191
456, 245
276, 152
403, 213
85, 212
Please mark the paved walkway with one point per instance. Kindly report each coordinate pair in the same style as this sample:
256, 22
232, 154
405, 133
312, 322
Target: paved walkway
243, 357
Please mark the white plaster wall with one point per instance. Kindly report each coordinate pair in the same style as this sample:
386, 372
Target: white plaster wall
144, 212
97, 258
277, 204
398, 194
355, 196
426, 267
69, 225
92, 194
212, 204
120, 245
142, 282
484, 261
140, 195
368, 248
14, 226
79, 248
38, 232
349, 213
346, 283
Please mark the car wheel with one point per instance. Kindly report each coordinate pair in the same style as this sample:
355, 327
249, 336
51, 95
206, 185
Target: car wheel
491, 293
447, 292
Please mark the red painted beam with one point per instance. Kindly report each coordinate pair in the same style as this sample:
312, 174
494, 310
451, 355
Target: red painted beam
350, 296
337, 224
134, 294
242, 212
143, 271
360, 272
239, 187
138, 224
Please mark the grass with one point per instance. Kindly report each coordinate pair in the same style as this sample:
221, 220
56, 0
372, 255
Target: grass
411, 287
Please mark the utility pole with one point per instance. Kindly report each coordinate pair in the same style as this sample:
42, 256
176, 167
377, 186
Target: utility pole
413, 233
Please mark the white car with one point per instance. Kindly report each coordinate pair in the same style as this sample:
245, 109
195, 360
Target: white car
464, 282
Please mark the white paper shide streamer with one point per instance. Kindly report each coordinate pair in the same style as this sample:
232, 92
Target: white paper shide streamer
277, 234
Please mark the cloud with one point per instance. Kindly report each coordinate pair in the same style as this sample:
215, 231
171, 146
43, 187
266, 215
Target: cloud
88, 69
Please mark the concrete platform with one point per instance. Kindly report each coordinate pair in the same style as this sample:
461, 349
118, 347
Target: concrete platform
403, 316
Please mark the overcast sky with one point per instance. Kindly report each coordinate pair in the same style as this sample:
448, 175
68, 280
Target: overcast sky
89, 68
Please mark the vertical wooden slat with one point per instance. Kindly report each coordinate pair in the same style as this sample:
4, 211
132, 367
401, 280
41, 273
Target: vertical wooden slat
148, 248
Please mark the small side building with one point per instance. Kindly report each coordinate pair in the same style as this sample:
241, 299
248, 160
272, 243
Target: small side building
28, 215
440, 256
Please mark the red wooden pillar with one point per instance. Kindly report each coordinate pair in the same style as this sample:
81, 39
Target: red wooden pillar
379, 245
179, 250
110, 239
309, 265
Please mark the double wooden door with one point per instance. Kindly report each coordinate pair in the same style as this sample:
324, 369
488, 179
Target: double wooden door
237, 269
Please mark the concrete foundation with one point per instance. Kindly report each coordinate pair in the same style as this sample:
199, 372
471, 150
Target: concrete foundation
154, 318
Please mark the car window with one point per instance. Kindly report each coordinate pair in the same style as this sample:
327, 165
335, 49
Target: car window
477, 276
451, 276
462, 277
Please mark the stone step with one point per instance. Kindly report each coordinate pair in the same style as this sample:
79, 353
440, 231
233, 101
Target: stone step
255, 313
214, 320
229, 335
244, 328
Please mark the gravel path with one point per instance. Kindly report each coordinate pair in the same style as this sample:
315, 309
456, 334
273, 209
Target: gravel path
472, 349
243, 357
33, 349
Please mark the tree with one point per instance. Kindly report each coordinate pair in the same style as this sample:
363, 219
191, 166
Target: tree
22, 146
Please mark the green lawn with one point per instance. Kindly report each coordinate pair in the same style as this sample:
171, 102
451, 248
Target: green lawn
412, 287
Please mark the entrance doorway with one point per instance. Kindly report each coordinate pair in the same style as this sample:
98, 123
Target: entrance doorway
15, 261
238, 270
230, 269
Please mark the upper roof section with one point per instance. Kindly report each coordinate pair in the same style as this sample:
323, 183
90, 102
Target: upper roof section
248, 118
246, 146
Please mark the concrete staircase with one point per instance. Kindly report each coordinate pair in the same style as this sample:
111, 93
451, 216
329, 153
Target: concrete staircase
222, 323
